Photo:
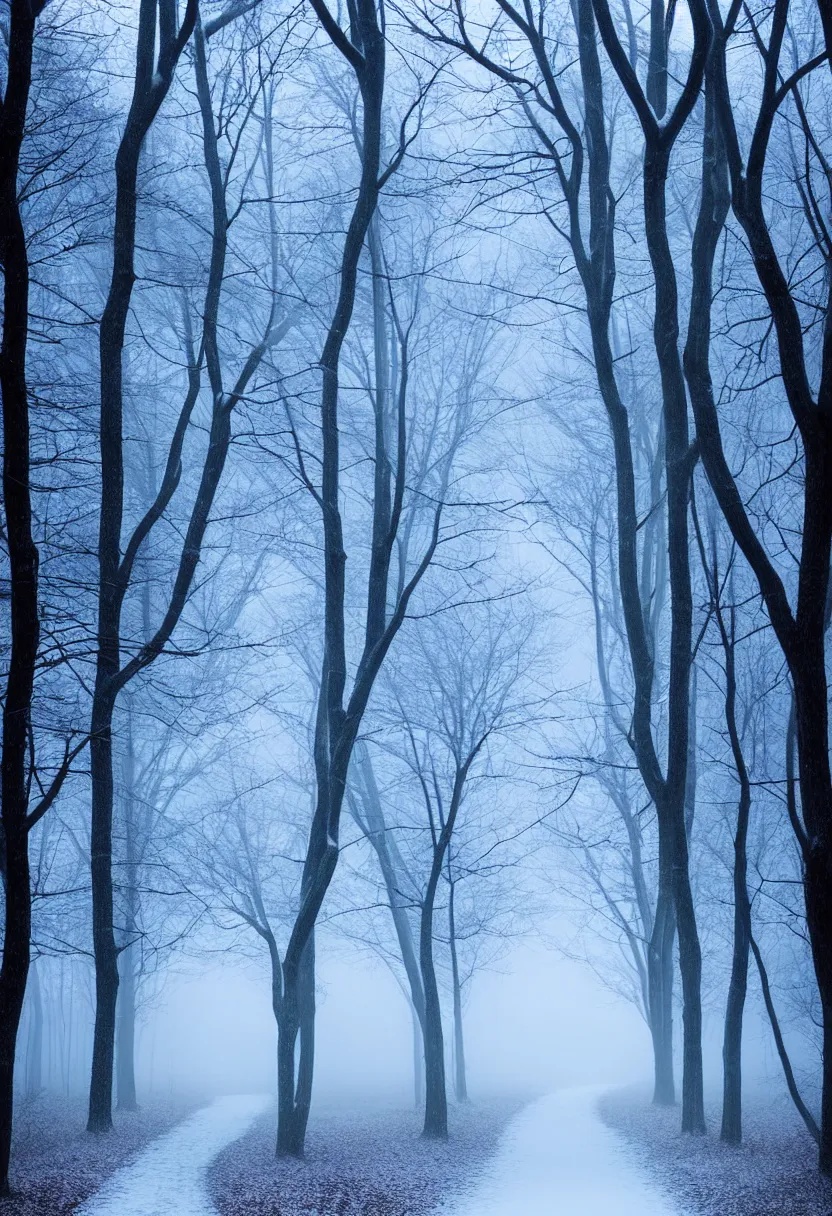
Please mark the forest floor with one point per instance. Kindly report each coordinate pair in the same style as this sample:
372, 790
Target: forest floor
57, 1164
365, 1162
773, 1173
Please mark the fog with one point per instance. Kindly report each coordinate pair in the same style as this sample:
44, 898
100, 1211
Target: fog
538, 1023
415, 606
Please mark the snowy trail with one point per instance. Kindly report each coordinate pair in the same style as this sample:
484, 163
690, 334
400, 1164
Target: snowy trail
558, 1159
168, 1178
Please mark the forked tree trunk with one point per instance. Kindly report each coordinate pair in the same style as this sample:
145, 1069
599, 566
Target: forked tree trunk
296, 1054
801, 633
668, 791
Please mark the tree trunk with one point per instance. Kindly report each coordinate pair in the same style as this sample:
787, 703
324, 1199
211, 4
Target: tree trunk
337, 725
668, 791
151, 84
100, 1116
126, 1009
672, 805
731, 1130
816, 801
436, 1099
296, 1054
23, 566
660, 965
801, 634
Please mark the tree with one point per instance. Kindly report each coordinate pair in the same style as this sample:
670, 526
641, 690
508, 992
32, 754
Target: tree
462, 692
117, 559
732, 177
17, 769
583, 165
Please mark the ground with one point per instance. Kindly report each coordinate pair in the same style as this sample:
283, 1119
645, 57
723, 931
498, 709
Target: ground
369, 1162
773, 1173
579, 1152
57, 1164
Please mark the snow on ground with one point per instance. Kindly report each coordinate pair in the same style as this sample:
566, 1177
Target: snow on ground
169, 1176
558, 1159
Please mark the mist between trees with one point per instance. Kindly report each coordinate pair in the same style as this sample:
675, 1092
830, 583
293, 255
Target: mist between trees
417, 519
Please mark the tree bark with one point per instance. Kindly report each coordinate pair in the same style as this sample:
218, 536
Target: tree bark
800, 633
731, 1130
661, 966
296, 1038
435, 1125
126, 1008
23, 565
339, 716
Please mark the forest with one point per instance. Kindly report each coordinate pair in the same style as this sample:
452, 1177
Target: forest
415, 593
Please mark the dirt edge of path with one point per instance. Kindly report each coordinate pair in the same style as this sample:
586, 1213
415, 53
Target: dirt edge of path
773, 1173
57, 1164
364, 1162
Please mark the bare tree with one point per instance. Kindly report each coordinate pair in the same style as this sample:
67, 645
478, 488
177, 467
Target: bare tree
18, 770
733, 177
117, 559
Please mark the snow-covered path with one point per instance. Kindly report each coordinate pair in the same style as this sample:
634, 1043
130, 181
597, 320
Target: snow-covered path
558, 1159
168, 1178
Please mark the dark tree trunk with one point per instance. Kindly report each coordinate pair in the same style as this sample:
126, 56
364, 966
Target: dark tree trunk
100, 1116
296, 1054
435, 1126
731, 1130
800, 633
126, 1008
339, 715
436, 1097
159, 46
672, 805
23, 565
811, 700
660, 966
668, 790
788, 1072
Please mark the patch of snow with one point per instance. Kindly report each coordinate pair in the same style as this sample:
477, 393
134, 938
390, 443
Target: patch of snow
557, 1158
168, 1178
